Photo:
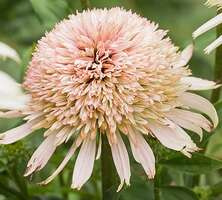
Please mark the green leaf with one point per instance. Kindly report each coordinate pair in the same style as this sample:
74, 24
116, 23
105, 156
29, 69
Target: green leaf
198, 164
50, 11
176, 193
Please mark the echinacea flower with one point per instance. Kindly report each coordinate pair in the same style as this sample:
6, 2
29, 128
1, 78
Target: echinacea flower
112, 72
212, 23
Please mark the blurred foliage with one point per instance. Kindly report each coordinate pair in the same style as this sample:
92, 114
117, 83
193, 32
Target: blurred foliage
24, 22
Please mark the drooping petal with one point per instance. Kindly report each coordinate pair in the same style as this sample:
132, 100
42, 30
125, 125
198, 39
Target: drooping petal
7, 51
63, 163
142, 153
216, 43
42, 155
208, 25
84, 163
173, 137
195, 83
190, 117
185, 123
18, 133
121, 160
184, 57
200, 104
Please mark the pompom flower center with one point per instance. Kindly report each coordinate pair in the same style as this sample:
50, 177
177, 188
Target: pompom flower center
92, 74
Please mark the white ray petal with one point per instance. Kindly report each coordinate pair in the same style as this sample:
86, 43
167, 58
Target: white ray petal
42, 155
212, 3
195, 83
7, 51
62, 165
121, 160
208, 25
142, 153
184, 57
84, 163
201, 104
216, 43
18, 133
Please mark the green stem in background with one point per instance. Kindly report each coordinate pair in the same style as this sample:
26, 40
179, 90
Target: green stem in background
218, 67
19, 181
109, 176
62, 184
157, 182
85, 4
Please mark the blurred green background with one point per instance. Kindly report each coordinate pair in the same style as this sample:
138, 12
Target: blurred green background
24, 22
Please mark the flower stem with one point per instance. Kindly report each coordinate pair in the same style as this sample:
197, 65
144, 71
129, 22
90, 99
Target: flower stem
85, 4
109, 176
218, 67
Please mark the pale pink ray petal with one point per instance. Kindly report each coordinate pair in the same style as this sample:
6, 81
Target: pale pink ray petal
143, 154
192, 117
185, 123
173, 137
121, 161
61, 136
201, 104
18, 133
42, 155
184, 57
84, 163
195, 83
63, 163
208, 25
